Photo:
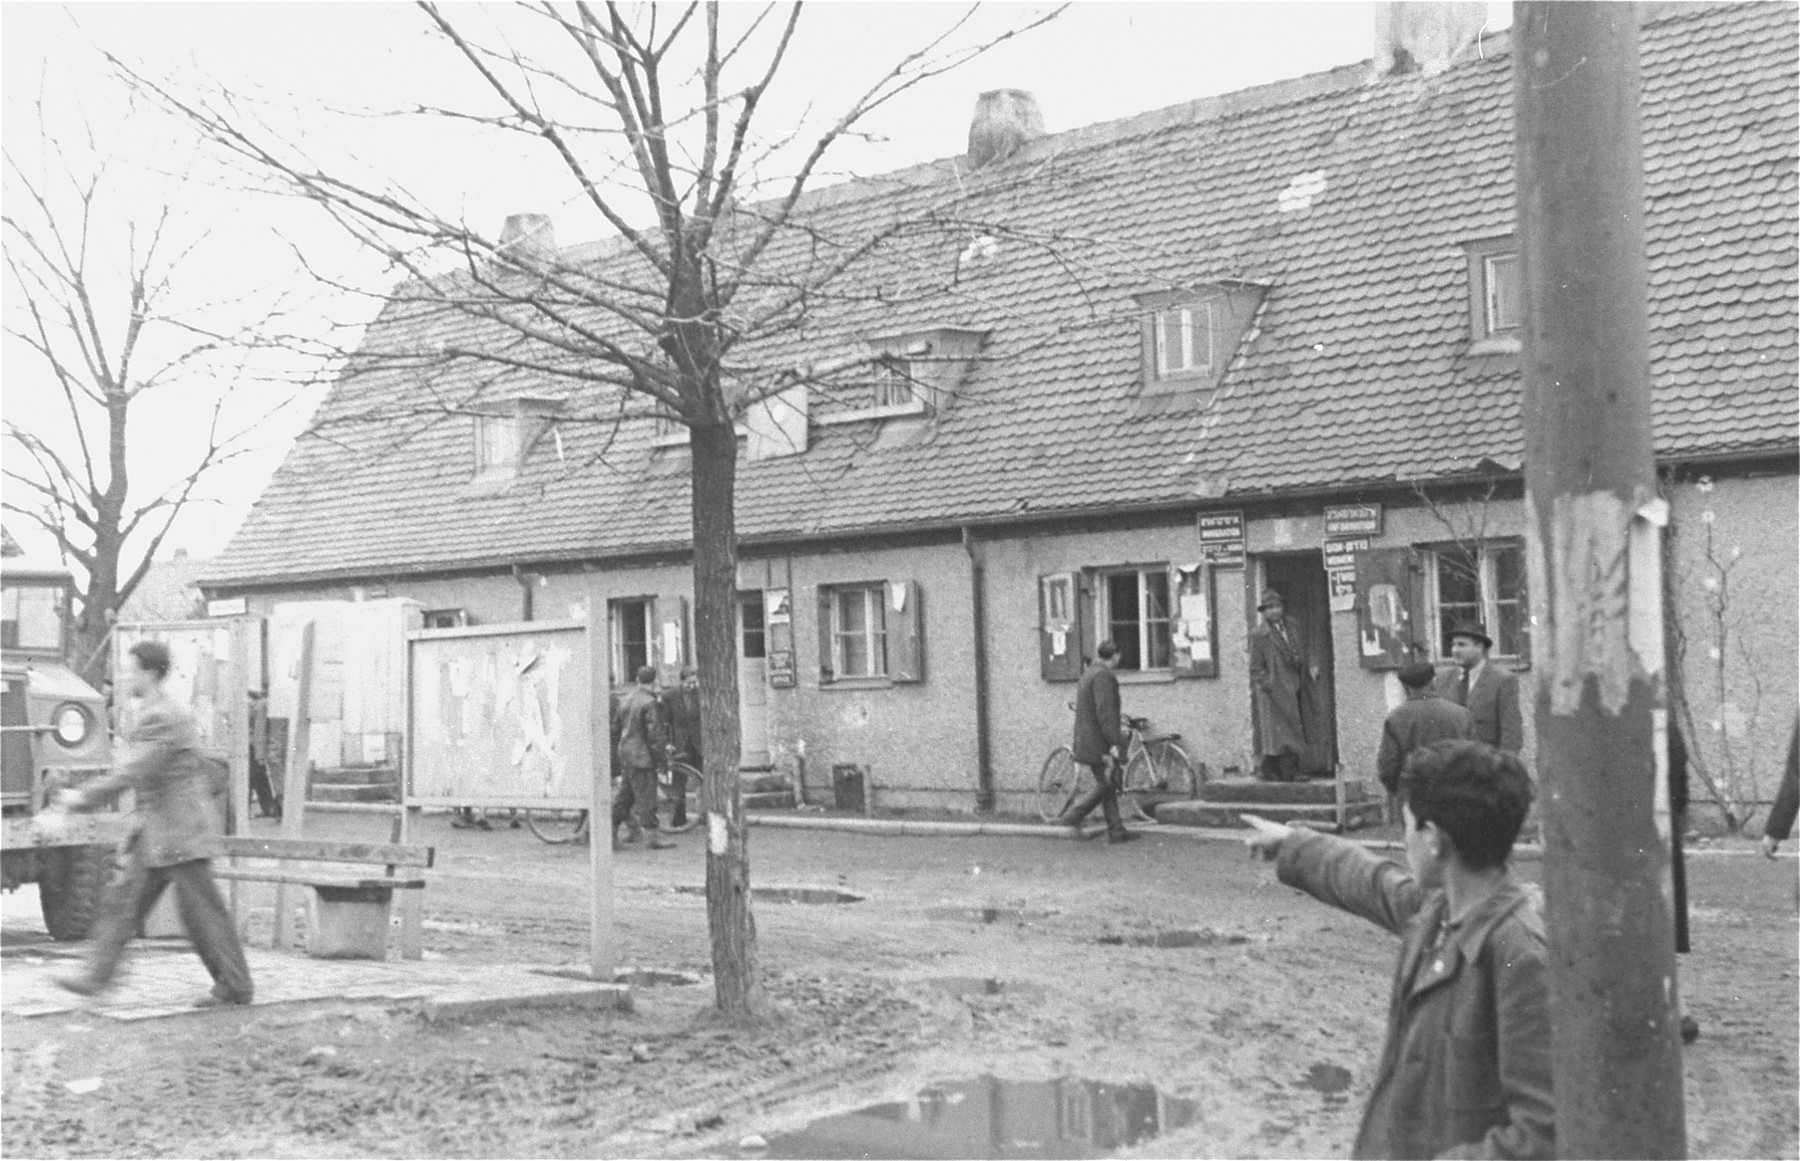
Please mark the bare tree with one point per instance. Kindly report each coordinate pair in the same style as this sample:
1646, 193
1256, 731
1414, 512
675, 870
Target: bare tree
653, 114
96, 297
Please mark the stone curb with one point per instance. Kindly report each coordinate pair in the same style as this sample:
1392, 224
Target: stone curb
614, 996
898, 826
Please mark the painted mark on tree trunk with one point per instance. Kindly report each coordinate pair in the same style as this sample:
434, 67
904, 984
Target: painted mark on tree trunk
1603, 581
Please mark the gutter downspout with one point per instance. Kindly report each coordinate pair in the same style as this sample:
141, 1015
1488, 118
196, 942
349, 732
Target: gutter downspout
525, 580
984, 765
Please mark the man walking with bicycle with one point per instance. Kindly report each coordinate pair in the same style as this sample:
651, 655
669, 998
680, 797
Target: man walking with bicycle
1099, 744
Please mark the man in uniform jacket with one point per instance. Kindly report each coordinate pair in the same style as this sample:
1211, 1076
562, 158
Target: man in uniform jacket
1279, 673
1423, 718
1100, 736
1487, 689
172, 826
638, 720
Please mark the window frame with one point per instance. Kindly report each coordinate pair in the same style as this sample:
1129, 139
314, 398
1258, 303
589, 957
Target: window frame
487, 425
1144, 647
875, 635
1189, 369
624, 673
1484, 336
1488, 600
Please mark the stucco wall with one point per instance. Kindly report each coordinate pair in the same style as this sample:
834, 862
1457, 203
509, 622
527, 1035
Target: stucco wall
1733, 552
916, 739
1031, 716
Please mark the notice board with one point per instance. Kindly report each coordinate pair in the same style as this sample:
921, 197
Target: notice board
501, 715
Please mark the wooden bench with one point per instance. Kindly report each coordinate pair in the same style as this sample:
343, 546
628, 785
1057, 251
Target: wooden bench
350, 913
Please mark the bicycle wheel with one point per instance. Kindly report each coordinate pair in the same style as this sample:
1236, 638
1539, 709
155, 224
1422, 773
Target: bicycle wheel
1140, 779
1058, 783
557, 826
693, 786
1174, 770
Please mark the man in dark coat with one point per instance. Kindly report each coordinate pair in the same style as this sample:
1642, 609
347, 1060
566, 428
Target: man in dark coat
1279, 673
681, 707
1099, 744
1423, 718
174, 818
1787, 799
638, 721
1487, 689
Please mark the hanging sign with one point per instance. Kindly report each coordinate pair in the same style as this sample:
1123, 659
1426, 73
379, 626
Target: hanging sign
1353, 520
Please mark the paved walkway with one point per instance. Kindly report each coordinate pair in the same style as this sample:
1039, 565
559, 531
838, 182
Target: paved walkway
162, 977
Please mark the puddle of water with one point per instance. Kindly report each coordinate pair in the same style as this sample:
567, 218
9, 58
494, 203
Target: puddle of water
1205, 937
987, 1117
983, 986
790, 894
987, 914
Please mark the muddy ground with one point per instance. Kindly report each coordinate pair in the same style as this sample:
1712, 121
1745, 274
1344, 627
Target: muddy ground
1170, 962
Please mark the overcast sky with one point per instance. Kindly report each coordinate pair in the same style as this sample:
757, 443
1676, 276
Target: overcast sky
1095, 62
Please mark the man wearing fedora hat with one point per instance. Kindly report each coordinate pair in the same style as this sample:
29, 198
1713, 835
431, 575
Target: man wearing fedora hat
1487, 689
1280, 671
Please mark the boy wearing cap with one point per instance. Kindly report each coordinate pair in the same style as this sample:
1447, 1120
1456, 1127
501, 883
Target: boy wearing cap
1465, 1070
1487, 689
1423, 718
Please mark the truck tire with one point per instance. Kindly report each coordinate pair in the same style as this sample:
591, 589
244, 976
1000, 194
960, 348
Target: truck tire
70, 889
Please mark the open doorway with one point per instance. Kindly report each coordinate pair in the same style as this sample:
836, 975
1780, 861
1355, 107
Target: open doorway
1300, 578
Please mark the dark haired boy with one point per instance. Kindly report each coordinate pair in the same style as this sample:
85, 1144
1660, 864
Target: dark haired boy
1465, 1071
170, 841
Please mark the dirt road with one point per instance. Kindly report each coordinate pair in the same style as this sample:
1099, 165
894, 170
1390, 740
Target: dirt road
1168, 962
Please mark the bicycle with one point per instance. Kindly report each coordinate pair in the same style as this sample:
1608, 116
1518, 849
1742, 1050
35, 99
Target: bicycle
557, 827
1154, 764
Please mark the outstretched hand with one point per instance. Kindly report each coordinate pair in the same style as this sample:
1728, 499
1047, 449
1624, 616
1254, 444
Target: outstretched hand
1266, 837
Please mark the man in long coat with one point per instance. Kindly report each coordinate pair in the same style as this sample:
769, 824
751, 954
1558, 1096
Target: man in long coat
1487, 689
1279, 673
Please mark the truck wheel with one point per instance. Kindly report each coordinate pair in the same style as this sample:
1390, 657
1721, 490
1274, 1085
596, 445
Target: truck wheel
69, 891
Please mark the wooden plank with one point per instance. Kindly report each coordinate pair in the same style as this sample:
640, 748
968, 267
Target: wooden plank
327, 851
601, 955
293, 802
295, 878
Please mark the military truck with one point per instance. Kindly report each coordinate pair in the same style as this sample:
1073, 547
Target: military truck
53, 732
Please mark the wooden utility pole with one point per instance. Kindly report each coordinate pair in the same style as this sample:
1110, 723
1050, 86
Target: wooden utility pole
1593, 519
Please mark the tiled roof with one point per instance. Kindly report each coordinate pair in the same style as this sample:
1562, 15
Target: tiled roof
1356, 370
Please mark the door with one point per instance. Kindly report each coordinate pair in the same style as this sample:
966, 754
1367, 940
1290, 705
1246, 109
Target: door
753, 683
1305, 590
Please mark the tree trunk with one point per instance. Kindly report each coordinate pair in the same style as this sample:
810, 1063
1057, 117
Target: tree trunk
736, 981
1595, 550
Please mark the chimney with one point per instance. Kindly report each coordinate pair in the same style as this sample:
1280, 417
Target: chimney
1423, 36
1005, 119
528, 239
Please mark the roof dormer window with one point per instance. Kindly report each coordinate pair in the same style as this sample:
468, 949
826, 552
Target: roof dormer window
892, 383
497, 440
1189, 337
1184, 340
1496, 296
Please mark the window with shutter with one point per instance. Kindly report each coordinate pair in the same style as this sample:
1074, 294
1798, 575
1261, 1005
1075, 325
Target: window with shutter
906, 632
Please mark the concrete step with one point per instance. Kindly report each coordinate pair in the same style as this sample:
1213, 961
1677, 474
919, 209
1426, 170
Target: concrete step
1323, 791
354, 793
356, 776
1214, 814
765, 783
